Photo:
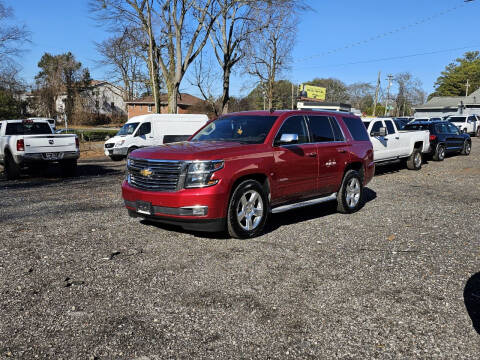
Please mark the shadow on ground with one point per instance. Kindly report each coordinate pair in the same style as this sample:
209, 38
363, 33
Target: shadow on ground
471, 297
275, 221
51, 174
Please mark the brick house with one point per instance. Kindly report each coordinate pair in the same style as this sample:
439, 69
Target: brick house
146, 105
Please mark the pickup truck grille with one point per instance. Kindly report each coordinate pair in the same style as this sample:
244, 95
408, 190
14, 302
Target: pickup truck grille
157, 175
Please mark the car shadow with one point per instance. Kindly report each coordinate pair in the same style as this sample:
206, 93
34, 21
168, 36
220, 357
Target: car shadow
52, 173
275, 221
471, 297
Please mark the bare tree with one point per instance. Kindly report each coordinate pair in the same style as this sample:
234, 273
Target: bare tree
12, 35
204, 78
410, 93
183, 28
268, 52
121, 55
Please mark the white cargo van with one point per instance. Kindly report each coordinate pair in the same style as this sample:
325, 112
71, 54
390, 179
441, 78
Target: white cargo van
152, 129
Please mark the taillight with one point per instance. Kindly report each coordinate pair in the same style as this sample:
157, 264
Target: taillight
433, 137
20, 145
77, 143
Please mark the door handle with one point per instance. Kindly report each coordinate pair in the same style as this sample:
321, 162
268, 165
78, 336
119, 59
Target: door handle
397, 137
343, 151
312, 154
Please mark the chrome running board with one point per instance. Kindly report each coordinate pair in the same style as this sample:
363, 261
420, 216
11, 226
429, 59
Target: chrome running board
304, 203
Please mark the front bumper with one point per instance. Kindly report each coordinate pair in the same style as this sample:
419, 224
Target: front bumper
120, 151
201, 209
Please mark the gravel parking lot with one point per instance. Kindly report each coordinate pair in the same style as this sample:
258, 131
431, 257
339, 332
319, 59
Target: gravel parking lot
398, 279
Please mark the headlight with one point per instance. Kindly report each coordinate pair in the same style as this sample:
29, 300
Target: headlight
199, 173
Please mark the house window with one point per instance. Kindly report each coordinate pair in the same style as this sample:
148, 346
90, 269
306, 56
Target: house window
149, 108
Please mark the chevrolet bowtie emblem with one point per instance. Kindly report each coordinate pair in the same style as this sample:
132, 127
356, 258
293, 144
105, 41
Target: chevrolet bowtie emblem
146, 172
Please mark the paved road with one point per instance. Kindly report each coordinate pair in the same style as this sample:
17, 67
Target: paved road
399, 279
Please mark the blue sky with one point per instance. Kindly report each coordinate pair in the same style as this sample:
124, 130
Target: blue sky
321, 48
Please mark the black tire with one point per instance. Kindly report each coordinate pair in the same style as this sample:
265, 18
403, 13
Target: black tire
414, 161
242, 200
116, 157
350, 197
439, 153
467, 148
12, 169
69, 168
133, 148
478, 132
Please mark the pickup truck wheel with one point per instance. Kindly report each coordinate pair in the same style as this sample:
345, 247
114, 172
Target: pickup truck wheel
350, 195
247, 210
414, 162
478, 132
69, 167
467, 148
12, 169
439, 153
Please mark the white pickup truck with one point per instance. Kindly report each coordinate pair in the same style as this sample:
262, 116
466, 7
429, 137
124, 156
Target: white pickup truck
391, 144
468, 124
32, 143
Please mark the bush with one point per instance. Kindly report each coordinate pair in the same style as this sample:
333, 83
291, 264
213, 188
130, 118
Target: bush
95, 135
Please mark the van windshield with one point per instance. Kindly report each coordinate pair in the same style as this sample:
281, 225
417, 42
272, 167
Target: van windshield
248, 129
457, 119
127, 129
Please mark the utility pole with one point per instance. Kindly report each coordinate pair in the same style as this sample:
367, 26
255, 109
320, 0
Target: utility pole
292, 95
467, 87
376, 93
389, 78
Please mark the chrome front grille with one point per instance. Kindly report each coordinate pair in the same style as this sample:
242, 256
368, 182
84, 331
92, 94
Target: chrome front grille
155, 175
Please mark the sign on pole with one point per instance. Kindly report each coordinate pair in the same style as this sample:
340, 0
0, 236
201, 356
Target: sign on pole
312, 92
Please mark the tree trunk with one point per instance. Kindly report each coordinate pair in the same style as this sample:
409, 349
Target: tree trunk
226, 90
172, 96
153, 57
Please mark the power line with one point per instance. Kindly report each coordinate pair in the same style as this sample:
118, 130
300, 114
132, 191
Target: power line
389, 58
385, 34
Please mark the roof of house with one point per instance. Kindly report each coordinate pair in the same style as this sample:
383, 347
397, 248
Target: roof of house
437, 102
182, 99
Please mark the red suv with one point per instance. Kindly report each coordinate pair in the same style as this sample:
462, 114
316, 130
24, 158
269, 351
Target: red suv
243, 166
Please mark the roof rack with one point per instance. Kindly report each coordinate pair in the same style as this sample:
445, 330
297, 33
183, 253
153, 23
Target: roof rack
327, 110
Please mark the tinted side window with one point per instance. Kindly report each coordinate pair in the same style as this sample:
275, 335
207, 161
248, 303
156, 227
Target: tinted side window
144, 129
472, 118
321, 129
390, 128
452, 129
337, 132
294, 125
356, 128
376, 126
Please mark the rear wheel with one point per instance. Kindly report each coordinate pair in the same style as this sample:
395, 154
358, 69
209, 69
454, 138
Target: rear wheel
467, 148
350, 195
478, 132
414, 162
439, 153
12, 169
69, 167
248, 210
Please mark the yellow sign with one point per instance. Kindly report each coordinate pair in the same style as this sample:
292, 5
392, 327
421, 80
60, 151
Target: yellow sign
312, 92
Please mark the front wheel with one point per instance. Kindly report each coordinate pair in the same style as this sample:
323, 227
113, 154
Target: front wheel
439, 153
116, 157
350, 195
467, 148
478, 132
414, 161
247, 210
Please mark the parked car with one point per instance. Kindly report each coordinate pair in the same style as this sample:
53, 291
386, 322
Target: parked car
243, 166
153, 129
445, 138
391, 144
469, 124
32, 142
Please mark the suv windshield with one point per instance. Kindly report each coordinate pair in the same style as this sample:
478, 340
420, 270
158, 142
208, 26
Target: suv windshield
459, 119
28, 128
127, 129
248, 129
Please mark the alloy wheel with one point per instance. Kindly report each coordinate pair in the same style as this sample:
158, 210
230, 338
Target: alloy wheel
352, 194
250, 210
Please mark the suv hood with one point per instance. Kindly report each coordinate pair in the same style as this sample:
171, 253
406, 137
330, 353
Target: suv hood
194, 150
